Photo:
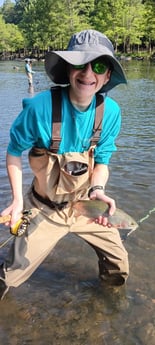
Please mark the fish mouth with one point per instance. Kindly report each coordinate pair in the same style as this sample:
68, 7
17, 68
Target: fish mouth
129, 228
127, 232
126, 229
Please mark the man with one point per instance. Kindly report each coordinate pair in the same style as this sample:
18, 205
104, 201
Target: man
29, 71
70, 149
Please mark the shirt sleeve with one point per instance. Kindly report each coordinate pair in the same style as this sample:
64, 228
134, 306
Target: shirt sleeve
32, 125
110, 129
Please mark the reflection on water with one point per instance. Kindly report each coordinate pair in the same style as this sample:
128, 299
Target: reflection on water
64, 303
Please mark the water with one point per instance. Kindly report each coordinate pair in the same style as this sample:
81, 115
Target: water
64, 303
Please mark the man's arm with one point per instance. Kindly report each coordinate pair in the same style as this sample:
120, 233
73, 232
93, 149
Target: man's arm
99, 178
14, 168
100, 175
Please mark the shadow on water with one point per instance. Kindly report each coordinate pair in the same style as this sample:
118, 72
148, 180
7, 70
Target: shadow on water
64, 302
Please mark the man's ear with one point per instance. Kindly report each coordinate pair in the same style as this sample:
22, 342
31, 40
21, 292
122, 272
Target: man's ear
108, 74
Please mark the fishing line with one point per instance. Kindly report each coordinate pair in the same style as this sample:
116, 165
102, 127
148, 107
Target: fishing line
147, 216
5, 242
140, 221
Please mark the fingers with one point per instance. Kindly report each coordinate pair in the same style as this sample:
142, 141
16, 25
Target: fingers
103, 221
105, 198
112, 208
111, 203
13, 214
6, 217
15, 218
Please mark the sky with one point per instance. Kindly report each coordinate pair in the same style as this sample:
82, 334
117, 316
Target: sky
2, 1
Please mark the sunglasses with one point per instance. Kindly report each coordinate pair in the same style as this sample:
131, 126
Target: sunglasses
98, 66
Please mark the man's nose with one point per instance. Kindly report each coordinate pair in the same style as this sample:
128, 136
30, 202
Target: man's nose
88, 68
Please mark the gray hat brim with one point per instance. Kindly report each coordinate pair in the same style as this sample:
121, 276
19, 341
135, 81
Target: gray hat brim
56, 66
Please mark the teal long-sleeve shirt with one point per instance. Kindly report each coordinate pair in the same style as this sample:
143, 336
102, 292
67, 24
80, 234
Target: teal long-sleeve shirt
33, 127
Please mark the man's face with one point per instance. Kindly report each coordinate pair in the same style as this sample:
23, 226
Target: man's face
84, 81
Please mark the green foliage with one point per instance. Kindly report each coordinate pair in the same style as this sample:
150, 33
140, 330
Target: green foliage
8, 11
48, 24
121, 20
150, 23
11, 38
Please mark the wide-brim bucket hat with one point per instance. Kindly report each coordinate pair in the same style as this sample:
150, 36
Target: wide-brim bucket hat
84, 47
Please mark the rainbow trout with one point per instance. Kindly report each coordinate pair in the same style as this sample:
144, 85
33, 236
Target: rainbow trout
92, 209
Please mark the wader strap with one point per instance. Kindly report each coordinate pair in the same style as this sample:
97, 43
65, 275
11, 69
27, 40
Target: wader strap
98, 119
56, 119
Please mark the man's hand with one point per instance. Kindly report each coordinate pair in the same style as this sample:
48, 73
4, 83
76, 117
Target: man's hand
15, 211
99, 194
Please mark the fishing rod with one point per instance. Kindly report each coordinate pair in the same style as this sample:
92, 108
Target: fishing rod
3, 244
19, 228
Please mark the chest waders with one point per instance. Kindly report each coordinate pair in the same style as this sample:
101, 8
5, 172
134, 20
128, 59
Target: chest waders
61, 179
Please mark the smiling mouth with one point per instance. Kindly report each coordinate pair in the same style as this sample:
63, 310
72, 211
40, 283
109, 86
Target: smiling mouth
86, 83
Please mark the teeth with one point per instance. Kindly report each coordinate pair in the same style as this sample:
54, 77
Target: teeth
84, 83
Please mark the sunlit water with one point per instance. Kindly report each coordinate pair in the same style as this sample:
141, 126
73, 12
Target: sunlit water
64, 303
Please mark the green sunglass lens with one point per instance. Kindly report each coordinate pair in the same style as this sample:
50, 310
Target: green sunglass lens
99, 67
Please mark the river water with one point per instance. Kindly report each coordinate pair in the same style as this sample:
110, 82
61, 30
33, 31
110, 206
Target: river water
64, 303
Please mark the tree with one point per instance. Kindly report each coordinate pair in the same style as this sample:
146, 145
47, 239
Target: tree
108, 19
149, 33
8, 11
121, 20
50, 23
11, 38
19, 10
133, 24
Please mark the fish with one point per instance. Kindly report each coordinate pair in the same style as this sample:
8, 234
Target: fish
92, 209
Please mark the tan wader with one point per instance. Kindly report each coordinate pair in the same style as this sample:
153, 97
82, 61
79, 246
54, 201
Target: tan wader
30, 78
56, 185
